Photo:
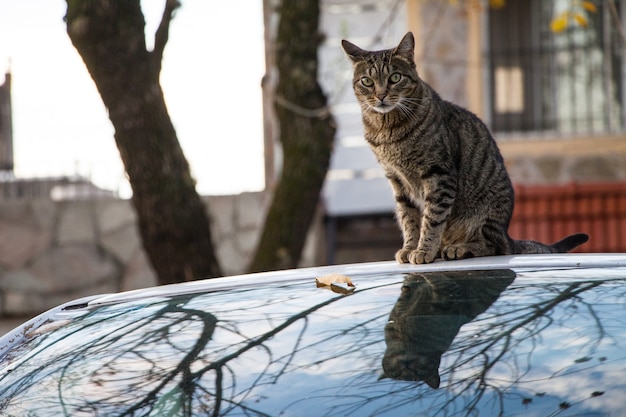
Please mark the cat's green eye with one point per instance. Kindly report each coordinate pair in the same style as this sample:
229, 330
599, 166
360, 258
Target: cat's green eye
395, 77
368, 82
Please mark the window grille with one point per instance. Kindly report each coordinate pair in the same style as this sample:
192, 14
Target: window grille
567, 83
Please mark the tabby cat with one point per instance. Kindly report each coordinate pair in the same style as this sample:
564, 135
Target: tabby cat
454, 198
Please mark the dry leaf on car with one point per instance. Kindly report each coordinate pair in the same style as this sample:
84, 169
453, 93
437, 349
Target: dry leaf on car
338, 283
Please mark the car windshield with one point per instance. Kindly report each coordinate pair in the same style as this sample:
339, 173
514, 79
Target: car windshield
438, 343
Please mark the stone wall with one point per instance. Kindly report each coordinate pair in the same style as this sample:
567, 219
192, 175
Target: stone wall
600, 159
54, 251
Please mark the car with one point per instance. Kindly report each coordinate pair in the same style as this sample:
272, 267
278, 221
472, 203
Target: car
527, 335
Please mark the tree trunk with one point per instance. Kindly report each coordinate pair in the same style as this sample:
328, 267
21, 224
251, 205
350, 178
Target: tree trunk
109, 36
307, 131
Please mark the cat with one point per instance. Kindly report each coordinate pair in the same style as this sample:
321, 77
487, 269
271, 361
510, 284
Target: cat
428, 315
454, 198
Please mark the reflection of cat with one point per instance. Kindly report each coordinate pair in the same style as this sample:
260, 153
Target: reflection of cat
428, 315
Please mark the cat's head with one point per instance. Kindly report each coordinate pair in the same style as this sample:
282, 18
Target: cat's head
384, 80
413, 366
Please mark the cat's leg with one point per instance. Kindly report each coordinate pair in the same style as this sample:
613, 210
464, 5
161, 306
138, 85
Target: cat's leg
440, 194
463, 238
466, 240
408, 216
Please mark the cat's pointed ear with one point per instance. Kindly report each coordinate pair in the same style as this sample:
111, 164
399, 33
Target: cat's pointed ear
433, 380
406, 47
354, 52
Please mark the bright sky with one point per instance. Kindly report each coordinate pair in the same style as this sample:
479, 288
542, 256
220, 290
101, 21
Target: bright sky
211, 76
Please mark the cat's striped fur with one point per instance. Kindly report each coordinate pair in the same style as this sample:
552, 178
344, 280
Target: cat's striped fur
454, 196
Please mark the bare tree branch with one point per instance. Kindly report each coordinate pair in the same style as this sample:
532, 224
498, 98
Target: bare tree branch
162, 33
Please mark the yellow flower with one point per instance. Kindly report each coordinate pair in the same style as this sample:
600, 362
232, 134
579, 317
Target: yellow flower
559, 23
497, 4
589, 6
581, 20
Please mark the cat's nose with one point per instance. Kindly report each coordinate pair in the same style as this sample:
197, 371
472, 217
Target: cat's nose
381, 97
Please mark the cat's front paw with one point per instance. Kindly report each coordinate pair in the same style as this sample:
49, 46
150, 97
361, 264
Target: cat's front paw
453, 252
415, 256
421, 256
402, 256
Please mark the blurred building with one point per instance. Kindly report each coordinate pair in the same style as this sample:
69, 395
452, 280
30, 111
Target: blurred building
6, 125
56, 188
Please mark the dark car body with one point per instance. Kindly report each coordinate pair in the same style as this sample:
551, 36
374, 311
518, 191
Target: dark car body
513, 336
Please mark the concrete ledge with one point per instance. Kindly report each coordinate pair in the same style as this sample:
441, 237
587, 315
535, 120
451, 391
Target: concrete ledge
559, 161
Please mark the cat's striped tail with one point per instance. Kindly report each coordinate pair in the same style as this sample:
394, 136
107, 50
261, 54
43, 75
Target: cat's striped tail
564, 245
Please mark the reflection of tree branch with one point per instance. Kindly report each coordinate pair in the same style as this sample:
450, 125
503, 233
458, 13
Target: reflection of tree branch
183, 367
503, 341
332, 336
570, 292
540, 312
264, 337
293, 352
599, 325
219, 380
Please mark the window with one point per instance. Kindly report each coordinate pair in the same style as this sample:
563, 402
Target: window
568, 82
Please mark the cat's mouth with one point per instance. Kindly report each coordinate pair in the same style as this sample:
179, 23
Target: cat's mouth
383, 107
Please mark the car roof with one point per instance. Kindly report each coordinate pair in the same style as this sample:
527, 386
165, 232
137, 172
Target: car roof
263, 279
514, 333
518, 262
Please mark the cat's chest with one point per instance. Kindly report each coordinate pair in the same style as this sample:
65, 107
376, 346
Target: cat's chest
405, 174
398, 160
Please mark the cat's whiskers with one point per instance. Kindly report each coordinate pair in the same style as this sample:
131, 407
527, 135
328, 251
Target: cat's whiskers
417, 102
366, 106
406, 106
409, 112
404, 109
